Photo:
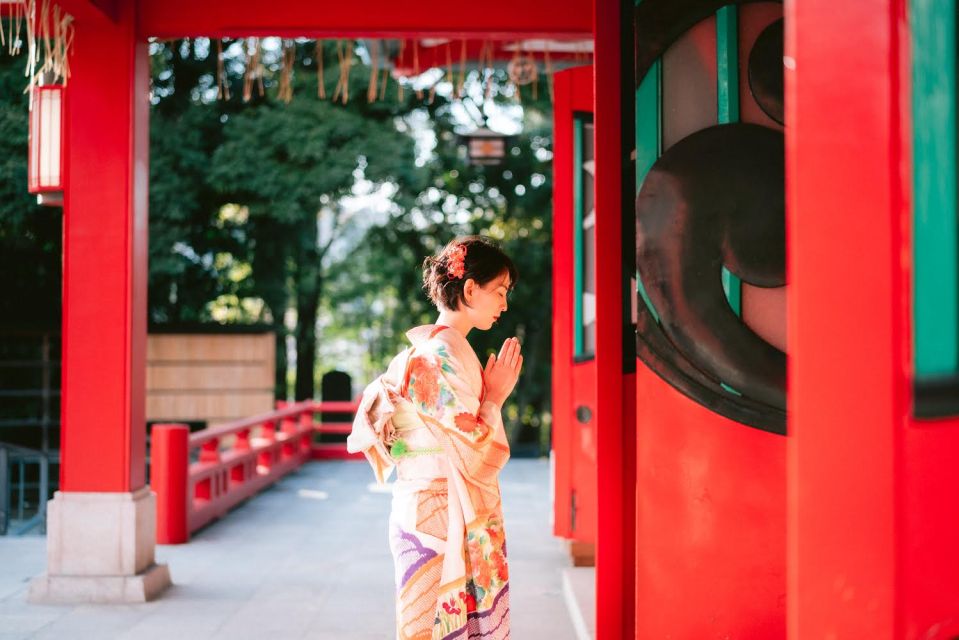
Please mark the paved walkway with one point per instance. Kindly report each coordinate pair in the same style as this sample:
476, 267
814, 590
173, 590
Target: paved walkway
306, 559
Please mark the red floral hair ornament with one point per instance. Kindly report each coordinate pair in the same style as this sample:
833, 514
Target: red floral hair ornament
455, 261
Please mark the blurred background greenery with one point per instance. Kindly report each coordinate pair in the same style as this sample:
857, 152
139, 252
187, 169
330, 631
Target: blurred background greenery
311, 216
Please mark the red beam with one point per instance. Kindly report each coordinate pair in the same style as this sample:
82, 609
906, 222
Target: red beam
369, 18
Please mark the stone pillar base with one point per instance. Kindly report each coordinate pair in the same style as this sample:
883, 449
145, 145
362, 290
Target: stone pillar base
100, 589
582, 554
100, 549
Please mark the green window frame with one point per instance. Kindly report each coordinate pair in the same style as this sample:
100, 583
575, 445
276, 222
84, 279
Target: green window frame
580, 350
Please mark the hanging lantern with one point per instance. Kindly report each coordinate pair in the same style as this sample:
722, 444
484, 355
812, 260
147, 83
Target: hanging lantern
45, 168
485, 146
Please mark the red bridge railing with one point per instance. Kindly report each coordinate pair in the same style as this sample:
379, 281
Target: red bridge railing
201, 476
335, 450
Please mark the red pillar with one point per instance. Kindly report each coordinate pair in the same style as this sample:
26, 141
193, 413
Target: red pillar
847, 185
169, 479
105, 257
102, 523
615, 555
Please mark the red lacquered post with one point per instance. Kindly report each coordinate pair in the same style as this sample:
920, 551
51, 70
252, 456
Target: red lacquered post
264, 460
210, 451
287, 428
287, 423
169, 469
306, 430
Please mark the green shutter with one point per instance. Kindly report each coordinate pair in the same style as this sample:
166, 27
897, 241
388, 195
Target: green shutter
934, 174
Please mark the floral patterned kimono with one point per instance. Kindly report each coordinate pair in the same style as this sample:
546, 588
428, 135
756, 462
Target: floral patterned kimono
426, 417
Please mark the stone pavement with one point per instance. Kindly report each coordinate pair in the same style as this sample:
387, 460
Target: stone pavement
307, 558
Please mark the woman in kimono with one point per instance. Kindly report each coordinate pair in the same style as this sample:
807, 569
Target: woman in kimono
435, 416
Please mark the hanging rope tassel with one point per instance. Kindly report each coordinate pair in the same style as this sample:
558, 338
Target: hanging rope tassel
254, 70
348, 62
386, 77
535, 77
416, 66
517, 55
549, 72
285, 89
449, 74
339, 64
374, 71
320, 75
488, 65
222, 85
399, 83
449, 64
462, 80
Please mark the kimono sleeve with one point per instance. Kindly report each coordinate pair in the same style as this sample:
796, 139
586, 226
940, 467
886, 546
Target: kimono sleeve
373, 432
469, 429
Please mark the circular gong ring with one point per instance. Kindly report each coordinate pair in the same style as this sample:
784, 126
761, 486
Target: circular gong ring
714, 199
766, 71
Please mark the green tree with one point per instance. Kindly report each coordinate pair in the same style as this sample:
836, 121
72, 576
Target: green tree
30, 235
377, 295
290, 164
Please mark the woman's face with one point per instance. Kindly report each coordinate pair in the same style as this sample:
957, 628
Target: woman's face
488, 301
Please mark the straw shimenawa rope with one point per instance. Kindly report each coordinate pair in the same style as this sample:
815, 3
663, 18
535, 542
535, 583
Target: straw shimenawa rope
48, 33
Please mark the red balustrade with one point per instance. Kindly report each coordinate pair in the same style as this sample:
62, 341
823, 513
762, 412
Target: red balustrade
199, 477
335, 450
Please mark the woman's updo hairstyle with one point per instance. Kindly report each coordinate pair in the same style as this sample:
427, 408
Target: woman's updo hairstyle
444, 276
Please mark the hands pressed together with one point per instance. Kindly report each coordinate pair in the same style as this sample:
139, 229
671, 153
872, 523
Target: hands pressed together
502, 371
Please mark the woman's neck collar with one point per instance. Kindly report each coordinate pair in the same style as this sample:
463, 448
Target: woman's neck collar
456, 321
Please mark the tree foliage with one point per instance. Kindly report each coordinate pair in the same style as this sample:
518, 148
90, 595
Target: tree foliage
250, 214
30, 235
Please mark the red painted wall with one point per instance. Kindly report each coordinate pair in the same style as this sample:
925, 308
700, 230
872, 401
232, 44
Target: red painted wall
710, 521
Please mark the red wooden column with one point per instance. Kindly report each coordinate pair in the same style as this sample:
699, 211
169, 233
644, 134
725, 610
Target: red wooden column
847, 185
102, 522
615, 555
